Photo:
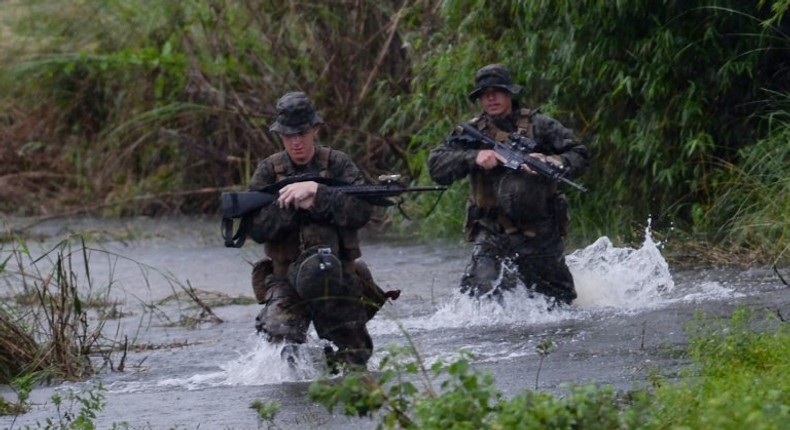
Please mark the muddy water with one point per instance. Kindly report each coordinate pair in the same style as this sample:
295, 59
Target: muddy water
627, 322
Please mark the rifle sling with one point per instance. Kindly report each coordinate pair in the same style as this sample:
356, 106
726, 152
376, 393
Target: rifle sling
235, 240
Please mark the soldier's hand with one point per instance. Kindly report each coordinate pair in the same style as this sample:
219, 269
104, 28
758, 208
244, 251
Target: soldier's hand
299, 195
554, 160
488, 159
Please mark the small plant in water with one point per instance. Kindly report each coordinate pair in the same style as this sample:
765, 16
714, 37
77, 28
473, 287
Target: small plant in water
51, 333
22, 387
267, 411
544, 348
77, 410
405, 395
12, 408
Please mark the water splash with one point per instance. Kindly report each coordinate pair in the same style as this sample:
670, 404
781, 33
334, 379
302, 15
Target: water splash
708, 291
620, 277
605, 276
264, 363
517, 306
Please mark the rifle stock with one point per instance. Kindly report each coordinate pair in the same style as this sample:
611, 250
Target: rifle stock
236, 204
516, 152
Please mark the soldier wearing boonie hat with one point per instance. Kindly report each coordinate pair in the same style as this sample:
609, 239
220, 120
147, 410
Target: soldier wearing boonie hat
295, 114
493, 76
514, 217
307, 250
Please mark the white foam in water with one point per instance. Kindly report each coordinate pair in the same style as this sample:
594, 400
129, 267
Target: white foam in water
262, 365
606, 277
516, 307
710, 290
620, 277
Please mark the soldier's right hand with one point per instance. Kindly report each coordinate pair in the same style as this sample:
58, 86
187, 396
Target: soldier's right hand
488, 159
298, 195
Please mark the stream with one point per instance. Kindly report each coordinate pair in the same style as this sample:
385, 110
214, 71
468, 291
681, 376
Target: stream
627, 322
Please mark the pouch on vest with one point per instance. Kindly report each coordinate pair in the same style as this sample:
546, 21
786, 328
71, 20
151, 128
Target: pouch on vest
317, 276
522, 198
319, 235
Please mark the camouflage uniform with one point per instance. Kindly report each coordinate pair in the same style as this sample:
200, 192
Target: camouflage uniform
291, 236
512, 215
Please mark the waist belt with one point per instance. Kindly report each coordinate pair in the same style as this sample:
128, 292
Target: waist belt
506, 225
527, 229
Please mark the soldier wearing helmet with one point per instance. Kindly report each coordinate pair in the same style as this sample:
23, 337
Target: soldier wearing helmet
514, 217
312, 271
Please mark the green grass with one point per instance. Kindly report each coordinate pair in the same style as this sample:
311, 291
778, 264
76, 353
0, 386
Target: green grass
737, 378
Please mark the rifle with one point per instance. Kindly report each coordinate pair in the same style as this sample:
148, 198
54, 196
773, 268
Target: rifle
239, 204
516, 150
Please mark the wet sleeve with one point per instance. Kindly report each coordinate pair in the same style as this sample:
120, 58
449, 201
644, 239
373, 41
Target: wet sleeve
271, 222
551, 133
338, 208
451, 161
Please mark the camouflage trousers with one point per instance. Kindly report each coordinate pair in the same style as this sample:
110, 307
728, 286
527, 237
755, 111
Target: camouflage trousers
340, 318
499, 261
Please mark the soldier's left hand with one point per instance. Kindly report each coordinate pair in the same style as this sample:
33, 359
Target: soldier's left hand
299, 195
554, 160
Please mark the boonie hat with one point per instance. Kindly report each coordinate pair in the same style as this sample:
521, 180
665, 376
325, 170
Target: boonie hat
493, 75
295, 114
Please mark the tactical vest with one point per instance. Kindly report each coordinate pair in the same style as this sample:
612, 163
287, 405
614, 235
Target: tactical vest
483, 192
344, 243
509, 200
280, 161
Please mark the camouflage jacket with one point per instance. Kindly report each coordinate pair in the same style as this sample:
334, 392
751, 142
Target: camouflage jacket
455, 160
333, 220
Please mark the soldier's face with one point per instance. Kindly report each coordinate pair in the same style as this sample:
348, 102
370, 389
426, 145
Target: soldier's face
496, 101
300, 146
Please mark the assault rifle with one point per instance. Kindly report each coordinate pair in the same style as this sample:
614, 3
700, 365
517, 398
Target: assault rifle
516, 150
239, 204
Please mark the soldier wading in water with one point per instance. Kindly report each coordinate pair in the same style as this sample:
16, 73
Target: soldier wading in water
513, 216
311, 271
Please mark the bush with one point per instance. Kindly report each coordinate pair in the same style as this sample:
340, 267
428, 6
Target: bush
737, 379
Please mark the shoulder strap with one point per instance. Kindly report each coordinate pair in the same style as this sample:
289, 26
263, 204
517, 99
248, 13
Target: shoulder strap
278, 160
524, 123
323, 161
481, 123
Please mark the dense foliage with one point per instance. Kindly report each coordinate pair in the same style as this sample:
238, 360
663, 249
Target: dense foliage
682, 103
737, 379
118, 99
149, 107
